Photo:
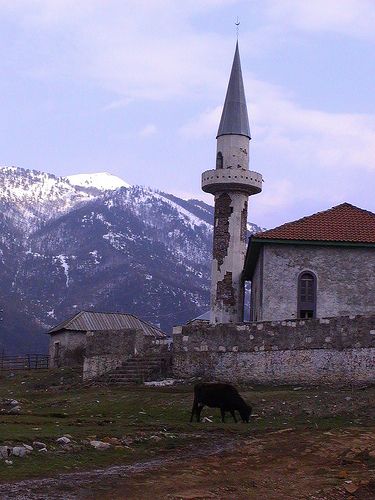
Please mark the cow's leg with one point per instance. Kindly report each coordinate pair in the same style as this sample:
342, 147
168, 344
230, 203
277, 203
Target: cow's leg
232, 412
194, 410
222, 415
199, 411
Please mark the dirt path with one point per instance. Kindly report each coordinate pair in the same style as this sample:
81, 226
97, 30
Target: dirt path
286, 464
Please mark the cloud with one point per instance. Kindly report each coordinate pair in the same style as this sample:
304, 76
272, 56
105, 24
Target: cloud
204, 125
348, 17
148, 130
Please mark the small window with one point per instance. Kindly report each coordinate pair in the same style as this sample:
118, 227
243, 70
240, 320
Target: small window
307, 295
219, 160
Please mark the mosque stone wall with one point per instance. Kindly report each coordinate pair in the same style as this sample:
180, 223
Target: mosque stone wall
339, 350
345, 280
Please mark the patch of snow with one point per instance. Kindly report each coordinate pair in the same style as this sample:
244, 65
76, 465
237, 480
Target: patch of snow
94, 253
65, 266
51, 313
101, 180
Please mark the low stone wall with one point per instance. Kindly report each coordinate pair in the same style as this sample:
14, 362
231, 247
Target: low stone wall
106, 350
331, 350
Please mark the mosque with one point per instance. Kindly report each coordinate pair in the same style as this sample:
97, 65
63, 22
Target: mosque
312, 280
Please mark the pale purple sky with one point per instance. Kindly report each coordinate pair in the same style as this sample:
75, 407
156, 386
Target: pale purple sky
135, 88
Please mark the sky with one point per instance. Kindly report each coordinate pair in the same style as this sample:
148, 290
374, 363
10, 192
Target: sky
136, 88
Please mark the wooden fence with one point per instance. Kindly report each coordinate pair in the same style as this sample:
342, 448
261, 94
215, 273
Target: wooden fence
24, 362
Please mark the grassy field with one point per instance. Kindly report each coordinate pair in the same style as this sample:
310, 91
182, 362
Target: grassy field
144, 422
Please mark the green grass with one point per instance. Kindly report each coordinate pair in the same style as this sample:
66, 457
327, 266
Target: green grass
54, 403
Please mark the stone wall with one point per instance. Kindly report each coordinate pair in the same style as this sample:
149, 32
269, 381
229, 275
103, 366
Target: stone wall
337, 350
345, 280
106, 350
70, 351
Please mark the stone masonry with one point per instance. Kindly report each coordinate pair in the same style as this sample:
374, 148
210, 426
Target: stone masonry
337, 350
345, 280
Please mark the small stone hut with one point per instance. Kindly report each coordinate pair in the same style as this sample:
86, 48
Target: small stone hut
120, 335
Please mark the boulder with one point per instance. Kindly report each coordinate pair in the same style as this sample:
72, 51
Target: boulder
38, 445
63, 440
5, 451
100, 445
19, 451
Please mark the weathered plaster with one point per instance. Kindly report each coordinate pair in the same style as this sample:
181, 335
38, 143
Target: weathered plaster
71, 348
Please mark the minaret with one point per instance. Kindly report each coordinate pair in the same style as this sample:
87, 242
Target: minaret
231, 183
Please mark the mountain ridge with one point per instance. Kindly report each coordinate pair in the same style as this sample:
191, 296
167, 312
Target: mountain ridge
64, 248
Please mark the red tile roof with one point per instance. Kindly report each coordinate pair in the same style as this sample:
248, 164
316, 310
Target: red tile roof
343, 223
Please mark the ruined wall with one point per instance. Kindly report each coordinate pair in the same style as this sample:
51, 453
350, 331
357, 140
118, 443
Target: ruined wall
331, 350
345, 280
106, 350
229, 248
70, 351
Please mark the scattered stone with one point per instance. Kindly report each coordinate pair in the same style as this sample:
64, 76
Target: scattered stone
14, 402
206, 419
8, 462
19, 451
43, 450
281, 431
28, 447
155, 438
15, 410
38, 445
63, 440
100, 445
5, 451
351, 487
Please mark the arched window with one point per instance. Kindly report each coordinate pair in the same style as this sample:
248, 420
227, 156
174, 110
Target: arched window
219, 160
307, 295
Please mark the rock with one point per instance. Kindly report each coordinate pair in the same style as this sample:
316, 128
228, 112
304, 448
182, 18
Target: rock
8, 462
63, 440
14, 402
351, 487
5, 451
38, 445
100, 445
28, 447
155, 438
43, 450
19, 451
206, 419
15, 410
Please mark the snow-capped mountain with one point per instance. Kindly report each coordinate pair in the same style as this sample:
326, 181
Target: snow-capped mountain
75, 243
102, 181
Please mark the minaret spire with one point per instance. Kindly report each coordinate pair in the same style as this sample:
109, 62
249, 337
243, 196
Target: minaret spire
234, 119
231, 183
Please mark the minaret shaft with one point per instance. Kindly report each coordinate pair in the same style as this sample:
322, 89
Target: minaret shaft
229, 248
231, 183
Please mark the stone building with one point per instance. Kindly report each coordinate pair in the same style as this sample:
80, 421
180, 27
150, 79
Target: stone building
319, 266
118, 335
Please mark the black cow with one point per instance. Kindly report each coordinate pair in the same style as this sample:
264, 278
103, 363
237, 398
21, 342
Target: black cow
223, 396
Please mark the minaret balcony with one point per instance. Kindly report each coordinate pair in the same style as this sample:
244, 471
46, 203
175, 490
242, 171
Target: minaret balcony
231, 180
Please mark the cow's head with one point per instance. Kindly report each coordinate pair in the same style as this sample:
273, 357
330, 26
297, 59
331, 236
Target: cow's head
245, 413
